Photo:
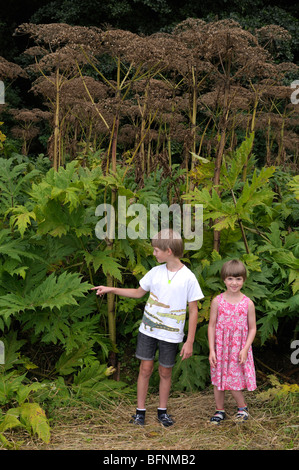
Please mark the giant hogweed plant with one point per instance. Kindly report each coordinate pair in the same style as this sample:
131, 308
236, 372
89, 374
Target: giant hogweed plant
258, 222
50, 258
20, 407
25, 403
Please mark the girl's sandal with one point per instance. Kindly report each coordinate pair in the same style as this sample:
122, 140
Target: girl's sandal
218, 417
242, 414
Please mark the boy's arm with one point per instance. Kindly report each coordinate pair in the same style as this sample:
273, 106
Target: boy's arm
123, 291
187, 348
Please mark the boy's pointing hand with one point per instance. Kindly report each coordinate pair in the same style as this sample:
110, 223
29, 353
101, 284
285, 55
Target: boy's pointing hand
101, 290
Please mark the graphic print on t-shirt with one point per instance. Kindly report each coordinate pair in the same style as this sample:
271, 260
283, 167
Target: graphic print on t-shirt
165, 310
153, 300
181, 317
155, 322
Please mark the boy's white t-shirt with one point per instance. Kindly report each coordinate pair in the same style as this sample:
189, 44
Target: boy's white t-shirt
165, 311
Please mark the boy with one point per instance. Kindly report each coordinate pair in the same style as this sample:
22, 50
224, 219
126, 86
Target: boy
172, 286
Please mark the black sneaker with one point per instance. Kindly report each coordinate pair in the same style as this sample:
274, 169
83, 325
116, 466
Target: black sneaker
139, 419
165, 419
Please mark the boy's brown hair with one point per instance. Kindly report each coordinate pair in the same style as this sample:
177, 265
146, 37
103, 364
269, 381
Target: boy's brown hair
234, 268
168, 238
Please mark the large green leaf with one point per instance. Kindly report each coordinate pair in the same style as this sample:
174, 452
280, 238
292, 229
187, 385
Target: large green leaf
191, 374
54, 292
34, 418
108, 264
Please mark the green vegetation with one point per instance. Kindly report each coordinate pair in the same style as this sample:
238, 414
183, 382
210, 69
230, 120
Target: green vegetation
200, 115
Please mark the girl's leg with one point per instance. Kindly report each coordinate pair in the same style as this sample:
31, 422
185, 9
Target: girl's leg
242, 413
238, 396
219, 415
145, 372
219, 398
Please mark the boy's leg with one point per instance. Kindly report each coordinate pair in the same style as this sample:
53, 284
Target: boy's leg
167, 355
165, 384
145, 372
145, 351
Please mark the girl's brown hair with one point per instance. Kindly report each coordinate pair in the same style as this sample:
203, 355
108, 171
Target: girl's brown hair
168, 238
234, 268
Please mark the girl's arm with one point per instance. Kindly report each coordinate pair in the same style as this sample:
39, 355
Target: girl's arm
211, 332
251, 332
187, 348
123, 291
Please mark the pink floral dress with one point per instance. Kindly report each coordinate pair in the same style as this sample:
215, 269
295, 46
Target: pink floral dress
230, 338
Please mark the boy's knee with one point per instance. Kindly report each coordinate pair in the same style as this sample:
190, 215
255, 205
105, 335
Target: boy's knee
146, 368
165, 372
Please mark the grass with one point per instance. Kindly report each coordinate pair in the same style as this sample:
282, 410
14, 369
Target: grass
84, 427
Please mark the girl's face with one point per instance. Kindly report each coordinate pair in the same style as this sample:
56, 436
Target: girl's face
234, 284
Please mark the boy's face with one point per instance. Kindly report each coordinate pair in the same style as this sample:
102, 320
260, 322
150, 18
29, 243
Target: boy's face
234, 284
160, 255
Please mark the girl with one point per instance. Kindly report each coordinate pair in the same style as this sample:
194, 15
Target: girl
231, 331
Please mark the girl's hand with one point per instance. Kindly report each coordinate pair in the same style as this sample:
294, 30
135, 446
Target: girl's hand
243, 356
213, 359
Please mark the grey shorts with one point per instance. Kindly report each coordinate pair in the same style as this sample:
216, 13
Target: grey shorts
147, 346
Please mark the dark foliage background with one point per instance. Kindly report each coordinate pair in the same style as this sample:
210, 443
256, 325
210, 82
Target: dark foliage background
141, 16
